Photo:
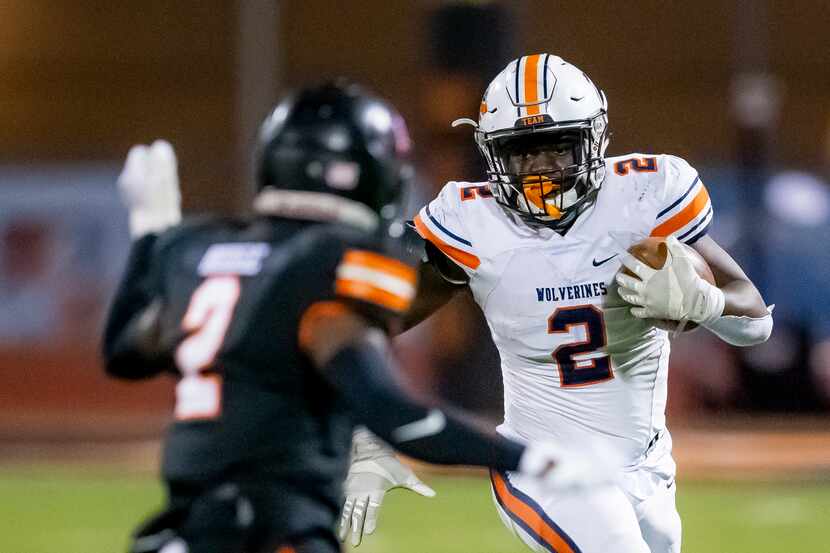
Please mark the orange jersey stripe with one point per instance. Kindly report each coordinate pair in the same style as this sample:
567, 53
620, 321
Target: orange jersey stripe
381, 263
532, 83
466, 259
372, 294
530, 517
684, 216
312, 316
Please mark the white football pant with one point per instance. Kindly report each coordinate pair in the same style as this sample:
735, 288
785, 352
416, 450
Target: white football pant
636, 516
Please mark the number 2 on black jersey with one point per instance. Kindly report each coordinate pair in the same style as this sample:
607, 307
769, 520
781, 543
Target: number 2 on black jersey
589, 371
199, 392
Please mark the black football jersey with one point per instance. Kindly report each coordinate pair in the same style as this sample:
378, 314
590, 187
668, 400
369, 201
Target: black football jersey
232, 295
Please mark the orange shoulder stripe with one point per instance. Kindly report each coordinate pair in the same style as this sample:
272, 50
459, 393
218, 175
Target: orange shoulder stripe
372, 294
530, 517
684, 216
460, 256
380, 262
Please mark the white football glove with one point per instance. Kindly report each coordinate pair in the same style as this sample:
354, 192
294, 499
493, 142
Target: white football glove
570, 468
374, 471
675, 292
149, 186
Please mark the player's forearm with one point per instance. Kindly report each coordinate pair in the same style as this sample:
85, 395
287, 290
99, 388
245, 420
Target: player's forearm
361, 374
433, 293
426, 303
137, 351
131, 318
132, 295
742, 299
745, 320
457, 442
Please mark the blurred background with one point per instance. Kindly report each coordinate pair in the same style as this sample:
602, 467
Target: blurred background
740, 89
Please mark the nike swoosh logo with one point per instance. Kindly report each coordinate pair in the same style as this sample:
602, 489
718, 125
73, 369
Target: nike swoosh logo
433, 423
598, 263
670, 483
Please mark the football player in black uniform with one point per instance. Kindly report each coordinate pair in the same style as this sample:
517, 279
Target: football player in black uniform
276, 328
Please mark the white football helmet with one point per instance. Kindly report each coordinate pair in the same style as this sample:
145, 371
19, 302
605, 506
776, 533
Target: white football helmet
540, 100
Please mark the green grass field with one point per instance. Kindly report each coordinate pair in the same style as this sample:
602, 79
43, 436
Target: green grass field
49, 509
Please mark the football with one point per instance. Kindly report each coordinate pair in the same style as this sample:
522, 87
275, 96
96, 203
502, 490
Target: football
653, 252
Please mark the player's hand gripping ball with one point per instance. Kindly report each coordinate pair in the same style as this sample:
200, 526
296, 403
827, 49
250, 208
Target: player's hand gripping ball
654, 252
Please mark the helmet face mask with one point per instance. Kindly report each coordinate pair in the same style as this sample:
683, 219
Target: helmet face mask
537, 152
543, 131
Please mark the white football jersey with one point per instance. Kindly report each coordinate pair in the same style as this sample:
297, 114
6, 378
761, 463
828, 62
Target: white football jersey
574, 361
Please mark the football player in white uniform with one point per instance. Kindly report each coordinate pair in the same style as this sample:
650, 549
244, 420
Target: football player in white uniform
541, 245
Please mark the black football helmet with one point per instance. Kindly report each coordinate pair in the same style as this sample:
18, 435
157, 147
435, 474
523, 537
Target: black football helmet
336, 139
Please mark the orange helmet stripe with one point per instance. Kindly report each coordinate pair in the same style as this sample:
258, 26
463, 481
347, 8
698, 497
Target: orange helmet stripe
531, 82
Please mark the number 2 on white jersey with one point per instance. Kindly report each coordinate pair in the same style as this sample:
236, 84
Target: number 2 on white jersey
199, 395
594, 370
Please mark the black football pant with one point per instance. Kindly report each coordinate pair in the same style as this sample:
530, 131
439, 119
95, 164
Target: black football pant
238, 519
